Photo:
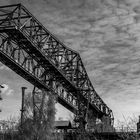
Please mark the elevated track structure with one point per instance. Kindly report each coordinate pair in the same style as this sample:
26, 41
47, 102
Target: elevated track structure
34, 53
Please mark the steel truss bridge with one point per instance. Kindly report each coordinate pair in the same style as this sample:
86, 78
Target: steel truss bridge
30, 50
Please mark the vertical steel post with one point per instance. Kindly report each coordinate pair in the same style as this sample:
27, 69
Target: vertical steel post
22, 104
33, 100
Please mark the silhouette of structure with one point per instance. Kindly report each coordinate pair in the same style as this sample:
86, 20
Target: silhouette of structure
0, 94
138, 128
30, 50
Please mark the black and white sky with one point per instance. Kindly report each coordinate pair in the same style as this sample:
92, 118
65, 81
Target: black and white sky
106, 33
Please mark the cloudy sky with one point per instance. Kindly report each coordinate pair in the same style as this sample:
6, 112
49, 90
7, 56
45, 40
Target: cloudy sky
106, 33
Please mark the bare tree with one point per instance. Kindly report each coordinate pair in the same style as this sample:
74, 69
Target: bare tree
39, 128
127, 128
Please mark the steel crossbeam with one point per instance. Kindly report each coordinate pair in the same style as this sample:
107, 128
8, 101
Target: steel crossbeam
33, 52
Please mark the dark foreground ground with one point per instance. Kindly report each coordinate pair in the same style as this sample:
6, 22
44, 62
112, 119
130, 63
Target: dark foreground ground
76, 136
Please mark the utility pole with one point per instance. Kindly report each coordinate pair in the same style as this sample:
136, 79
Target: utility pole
22, 105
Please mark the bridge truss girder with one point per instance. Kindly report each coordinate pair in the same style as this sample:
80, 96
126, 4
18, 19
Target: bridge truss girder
28, 48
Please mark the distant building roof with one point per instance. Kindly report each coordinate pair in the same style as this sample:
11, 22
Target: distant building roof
62, 124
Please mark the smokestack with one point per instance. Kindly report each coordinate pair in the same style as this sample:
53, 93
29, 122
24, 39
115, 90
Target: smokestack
22, 104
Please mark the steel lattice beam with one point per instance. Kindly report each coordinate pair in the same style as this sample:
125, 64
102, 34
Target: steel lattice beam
12, 55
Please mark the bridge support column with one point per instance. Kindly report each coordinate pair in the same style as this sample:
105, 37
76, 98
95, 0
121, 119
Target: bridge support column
96, 124
80, 117
91, 121
107, 124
